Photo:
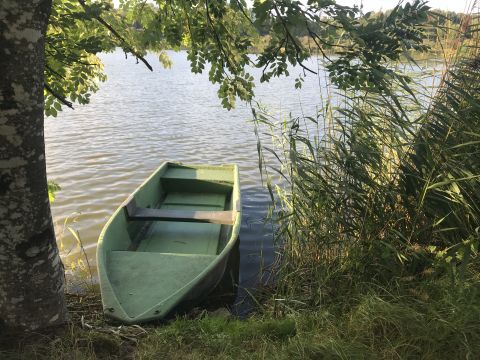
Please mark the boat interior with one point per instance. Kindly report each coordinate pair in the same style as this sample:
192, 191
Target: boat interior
192, 215
182, 218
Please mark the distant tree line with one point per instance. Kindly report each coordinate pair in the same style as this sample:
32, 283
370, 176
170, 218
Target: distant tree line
145, 18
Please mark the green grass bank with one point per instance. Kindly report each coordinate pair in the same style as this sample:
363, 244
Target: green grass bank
430, 319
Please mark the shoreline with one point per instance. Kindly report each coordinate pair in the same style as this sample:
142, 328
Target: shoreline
428, 319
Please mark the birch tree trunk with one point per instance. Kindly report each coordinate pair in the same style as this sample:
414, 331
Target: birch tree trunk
31, 272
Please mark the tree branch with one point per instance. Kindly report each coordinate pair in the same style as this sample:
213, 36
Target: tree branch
240, 6
58, 96
292, 38
54, 72
229, 62
118, 36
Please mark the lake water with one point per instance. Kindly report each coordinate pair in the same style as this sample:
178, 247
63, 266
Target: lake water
99, 153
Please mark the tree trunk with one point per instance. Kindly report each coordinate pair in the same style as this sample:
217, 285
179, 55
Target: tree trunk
31, 273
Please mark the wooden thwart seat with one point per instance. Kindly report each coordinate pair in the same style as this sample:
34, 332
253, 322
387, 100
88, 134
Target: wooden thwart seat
135, 213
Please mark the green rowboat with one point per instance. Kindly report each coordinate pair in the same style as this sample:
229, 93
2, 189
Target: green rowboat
169, 242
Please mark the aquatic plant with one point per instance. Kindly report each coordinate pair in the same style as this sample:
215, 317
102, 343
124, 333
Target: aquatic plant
383, 184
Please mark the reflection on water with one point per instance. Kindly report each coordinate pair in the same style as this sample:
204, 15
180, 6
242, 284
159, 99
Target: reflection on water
101, 152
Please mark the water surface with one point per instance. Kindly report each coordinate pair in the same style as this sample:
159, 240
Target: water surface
99, 153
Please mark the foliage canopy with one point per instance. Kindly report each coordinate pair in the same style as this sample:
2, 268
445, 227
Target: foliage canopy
220, 33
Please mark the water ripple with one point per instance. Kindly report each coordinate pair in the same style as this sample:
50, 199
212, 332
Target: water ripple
101, 152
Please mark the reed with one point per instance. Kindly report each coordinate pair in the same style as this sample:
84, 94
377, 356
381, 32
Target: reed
383, 182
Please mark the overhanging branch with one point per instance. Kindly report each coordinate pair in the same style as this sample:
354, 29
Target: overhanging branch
58, 96
118, 36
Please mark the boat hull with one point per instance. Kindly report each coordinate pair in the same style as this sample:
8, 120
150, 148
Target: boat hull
148, 265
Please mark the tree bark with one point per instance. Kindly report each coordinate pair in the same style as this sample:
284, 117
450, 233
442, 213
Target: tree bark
31, 272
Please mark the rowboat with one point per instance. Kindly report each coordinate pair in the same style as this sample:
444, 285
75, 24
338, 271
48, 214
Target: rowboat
169, 242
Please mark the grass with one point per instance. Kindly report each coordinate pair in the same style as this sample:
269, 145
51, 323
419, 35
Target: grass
424, 320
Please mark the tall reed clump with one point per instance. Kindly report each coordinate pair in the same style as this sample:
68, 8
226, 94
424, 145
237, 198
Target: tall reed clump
384, 185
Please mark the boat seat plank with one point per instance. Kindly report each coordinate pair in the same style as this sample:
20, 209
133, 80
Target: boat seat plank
135, 213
